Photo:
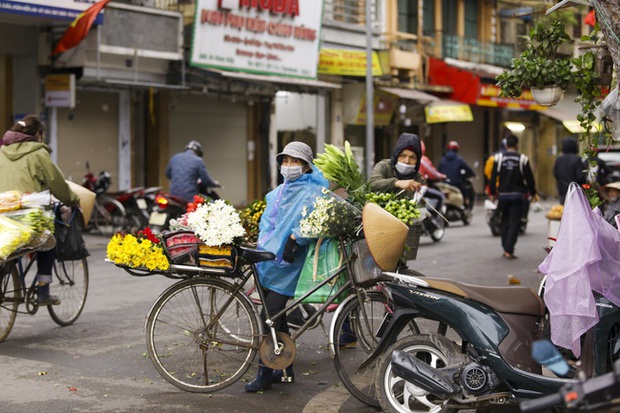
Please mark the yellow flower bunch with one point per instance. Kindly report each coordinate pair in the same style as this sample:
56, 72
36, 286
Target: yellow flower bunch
126, 249
250, 217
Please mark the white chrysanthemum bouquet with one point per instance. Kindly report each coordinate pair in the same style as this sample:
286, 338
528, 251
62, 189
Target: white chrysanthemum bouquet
330, 217
216, 223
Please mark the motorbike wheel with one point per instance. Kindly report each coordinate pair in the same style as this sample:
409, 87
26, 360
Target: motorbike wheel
399, 396
466, 216
435, 227
495, 223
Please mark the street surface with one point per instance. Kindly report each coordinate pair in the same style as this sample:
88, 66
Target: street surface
99, 364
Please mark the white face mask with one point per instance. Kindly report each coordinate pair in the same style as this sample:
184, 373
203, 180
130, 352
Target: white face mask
290, 173
404, 168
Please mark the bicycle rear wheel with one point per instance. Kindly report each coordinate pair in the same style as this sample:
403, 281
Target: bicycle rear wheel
202, 337
70, 285
355, 332
9, 298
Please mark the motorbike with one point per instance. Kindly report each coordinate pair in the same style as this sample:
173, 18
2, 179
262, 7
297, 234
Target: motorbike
121, 210
455, 204
433, 222
601, 393
494, 217
488, 363
167, 207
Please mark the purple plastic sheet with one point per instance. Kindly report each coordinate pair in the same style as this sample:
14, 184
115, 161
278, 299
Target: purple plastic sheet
585, 258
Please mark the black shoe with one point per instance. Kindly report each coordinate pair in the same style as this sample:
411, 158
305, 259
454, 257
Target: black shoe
284, 376
263, 380
43, 296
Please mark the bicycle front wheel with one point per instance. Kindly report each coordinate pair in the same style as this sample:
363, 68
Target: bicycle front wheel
355, 332
201, 336
9, 298
70, 285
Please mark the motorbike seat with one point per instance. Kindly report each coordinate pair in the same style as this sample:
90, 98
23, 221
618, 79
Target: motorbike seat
253, 255
510, 299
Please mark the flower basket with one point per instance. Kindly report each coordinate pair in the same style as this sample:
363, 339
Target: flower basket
224, 256
413, 241
181, 245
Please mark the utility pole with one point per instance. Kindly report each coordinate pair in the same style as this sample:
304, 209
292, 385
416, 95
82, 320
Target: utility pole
370, 121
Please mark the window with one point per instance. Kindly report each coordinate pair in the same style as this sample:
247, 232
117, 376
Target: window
408, 17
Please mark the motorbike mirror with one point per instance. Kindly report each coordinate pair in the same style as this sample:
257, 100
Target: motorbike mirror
87, 165
545, 353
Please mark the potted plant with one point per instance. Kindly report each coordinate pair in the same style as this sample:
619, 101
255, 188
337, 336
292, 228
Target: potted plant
540, 67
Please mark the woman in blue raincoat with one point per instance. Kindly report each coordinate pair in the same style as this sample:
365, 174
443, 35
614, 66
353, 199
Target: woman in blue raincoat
277, 228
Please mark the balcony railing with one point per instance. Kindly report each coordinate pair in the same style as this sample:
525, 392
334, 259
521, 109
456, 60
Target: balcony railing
476, 51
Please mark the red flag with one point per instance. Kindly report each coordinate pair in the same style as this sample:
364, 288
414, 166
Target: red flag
79, 28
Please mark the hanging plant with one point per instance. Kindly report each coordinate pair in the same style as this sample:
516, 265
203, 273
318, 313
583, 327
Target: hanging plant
540, 65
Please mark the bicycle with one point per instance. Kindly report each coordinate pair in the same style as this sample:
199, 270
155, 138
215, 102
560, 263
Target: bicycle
204, 332
70, 285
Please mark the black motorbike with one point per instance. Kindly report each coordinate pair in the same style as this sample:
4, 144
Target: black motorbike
488, 362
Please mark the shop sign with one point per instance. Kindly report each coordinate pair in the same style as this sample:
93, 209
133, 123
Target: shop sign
347, 63
384, 106
57, 9
60, 90
277, 37
489, 96
438, 112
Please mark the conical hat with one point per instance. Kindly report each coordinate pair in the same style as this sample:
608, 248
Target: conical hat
385, 235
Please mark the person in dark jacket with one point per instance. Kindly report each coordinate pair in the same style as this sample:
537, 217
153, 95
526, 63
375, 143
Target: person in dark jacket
185, 169
569, 167
26, 166
455, 167
515, 182
402, 170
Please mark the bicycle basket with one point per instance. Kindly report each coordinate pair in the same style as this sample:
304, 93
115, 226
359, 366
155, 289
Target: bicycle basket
181, 245
413, 241
364, 266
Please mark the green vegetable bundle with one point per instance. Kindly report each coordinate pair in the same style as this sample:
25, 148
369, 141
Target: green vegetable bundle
340, 167
402, 208
36, 219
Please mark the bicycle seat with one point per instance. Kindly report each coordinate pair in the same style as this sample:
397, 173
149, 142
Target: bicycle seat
253, 255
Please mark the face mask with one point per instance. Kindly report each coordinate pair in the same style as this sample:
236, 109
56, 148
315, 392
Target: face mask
404, 169
290, 173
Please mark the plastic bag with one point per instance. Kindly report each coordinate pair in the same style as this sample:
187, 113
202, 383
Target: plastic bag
69, 242
14, 236
585, 258
10, 201
322, 261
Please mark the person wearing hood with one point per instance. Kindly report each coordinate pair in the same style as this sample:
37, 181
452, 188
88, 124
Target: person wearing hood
569, 167
402, 170
278, 233
26, 166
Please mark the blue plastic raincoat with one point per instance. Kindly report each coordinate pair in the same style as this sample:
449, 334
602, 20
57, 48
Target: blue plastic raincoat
281, 217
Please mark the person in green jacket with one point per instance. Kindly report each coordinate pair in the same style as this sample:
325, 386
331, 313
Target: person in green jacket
401, 171
26, 166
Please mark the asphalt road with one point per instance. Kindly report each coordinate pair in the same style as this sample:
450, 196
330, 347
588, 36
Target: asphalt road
99, 364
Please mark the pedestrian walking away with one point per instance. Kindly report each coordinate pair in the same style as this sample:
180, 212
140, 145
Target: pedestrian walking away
26, 166
185, 169
514, 180
278, 233
568, 167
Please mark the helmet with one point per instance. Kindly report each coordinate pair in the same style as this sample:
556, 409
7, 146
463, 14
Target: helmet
195, 146
453, 146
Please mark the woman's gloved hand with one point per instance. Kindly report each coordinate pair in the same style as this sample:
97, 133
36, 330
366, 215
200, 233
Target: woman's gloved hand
290, 248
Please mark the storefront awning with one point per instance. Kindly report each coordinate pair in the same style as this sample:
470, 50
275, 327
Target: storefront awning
411, 94
566, 112
444, 110
280, 80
